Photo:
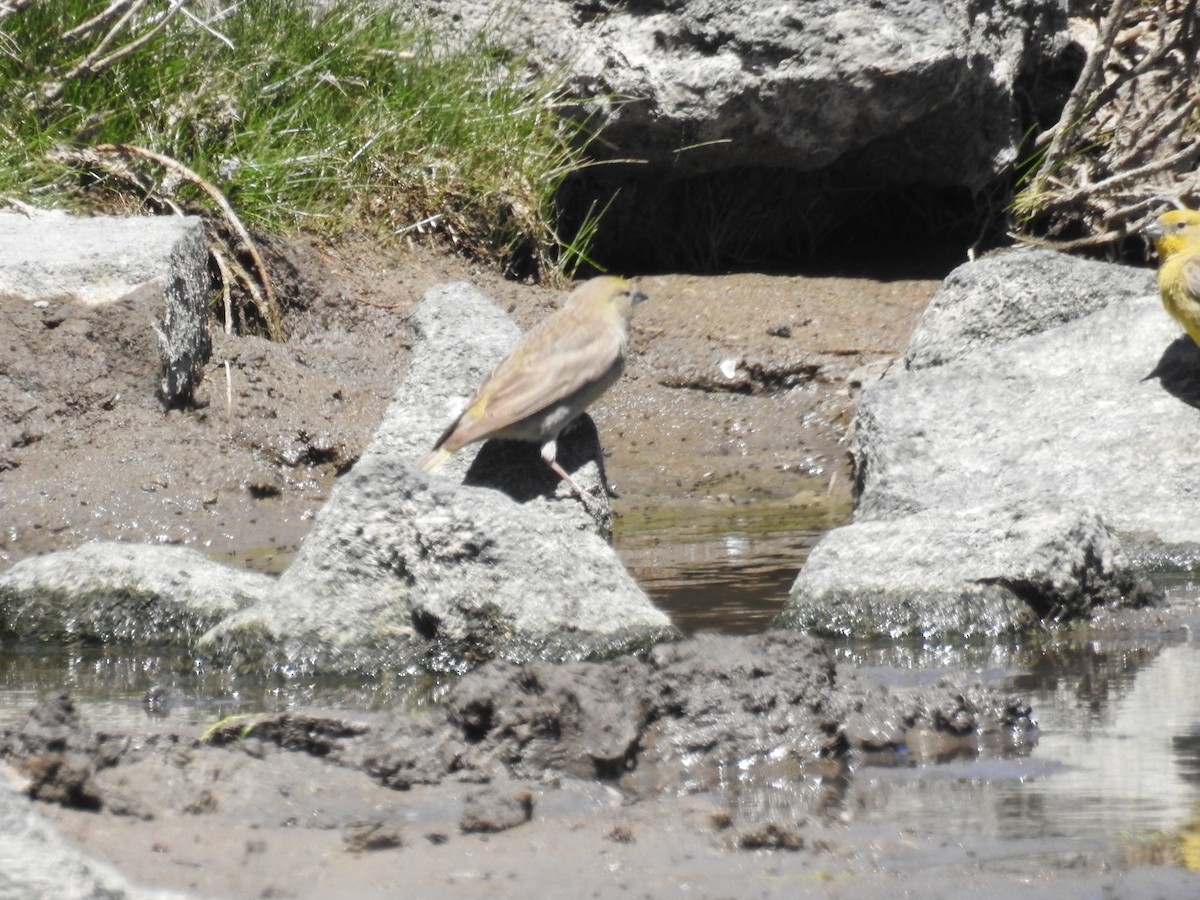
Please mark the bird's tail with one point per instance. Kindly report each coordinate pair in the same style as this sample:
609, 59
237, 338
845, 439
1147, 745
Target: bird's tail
432, 460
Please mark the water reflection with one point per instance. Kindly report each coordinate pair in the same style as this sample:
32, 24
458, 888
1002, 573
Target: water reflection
1123, 768
1118, 752
731, 582
148, 690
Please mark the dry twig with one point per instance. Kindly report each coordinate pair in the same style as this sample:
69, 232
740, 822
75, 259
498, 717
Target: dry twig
260, 288
100, 57
12, 6
1129, 135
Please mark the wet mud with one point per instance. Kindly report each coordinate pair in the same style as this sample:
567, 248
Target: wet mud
761, 733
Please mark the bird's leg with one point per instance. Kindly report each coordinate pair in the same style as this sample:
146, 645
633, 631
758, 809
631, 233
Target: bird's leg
550, 454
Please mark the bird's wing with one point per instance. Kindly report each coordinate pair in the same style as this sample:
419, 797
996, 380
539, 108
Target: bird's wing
1191, 275
548, 365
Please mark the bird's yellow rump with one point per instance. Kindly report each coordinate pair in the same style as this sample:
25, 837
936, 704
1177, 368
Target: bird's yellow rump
551, 376
1176, 236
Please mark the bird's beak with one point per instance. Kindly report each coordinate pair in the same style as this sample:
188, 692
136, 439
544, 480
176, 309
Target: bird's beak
636, 295
1154, 230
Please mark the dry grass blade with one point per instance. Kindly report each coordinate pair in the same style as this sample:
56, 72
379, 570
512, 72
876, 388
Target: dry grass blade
23, 208
13, 6
223, 266
261, 288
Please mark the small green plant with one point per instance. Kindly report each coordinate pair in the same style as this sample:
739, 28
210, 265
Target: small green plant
230, 728
359, 117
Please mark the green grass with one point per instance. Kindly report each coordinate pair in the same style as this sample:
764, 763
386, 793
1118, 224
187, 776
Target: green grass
357, 119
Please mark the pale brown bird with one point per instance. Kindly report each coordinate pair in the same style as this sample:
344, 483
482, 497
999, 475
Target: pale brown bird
1176, 236
551, 376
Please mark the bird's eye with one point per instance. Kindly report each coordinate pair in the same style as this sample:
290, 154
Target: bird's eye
1179, 226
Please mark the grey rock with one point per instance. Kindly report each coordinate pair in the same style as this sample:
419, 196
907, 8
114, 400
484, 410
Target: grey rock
1016, 292
102, 259
1098, 413
898, 92
1020, 406
122, 592
402, 568
961, 574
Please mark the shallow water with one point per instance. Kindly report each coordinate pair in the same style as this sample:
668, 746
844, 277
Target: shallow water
1116, 761
731, 582
1114, 770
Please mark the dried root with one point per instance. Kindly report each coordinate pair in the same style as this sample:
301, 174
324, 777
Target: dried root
113, 160
1128, 140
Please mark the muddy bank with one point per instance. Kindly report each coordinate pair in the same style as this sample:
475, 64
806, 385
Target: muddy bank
761, 766
717, 365
713, 745
692, 431
765, 766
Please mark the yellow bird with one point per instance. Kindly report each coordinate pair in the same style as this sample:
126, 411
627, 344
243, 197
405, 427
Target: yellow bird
1176, 236
551, 376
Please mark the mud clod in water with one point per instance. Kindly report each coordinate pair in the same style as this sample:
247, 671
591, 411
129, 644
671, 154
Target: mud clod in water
739, 715
496, 808
59, 755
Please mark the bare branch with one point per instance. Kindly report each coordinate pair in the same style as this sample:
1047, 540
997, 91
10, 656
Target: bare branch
97, 21
134, 45
1085, 86
130, 10
1128, 135
13, 6
100, 58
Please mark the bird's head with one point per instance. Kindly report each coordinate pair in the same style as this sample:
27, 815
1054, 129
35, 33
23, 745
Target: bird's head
1174, 230
617, 296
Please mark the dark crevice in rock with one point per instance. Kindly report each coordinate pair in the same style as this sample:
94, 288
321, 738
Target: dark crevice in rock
425, 624
776, 219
